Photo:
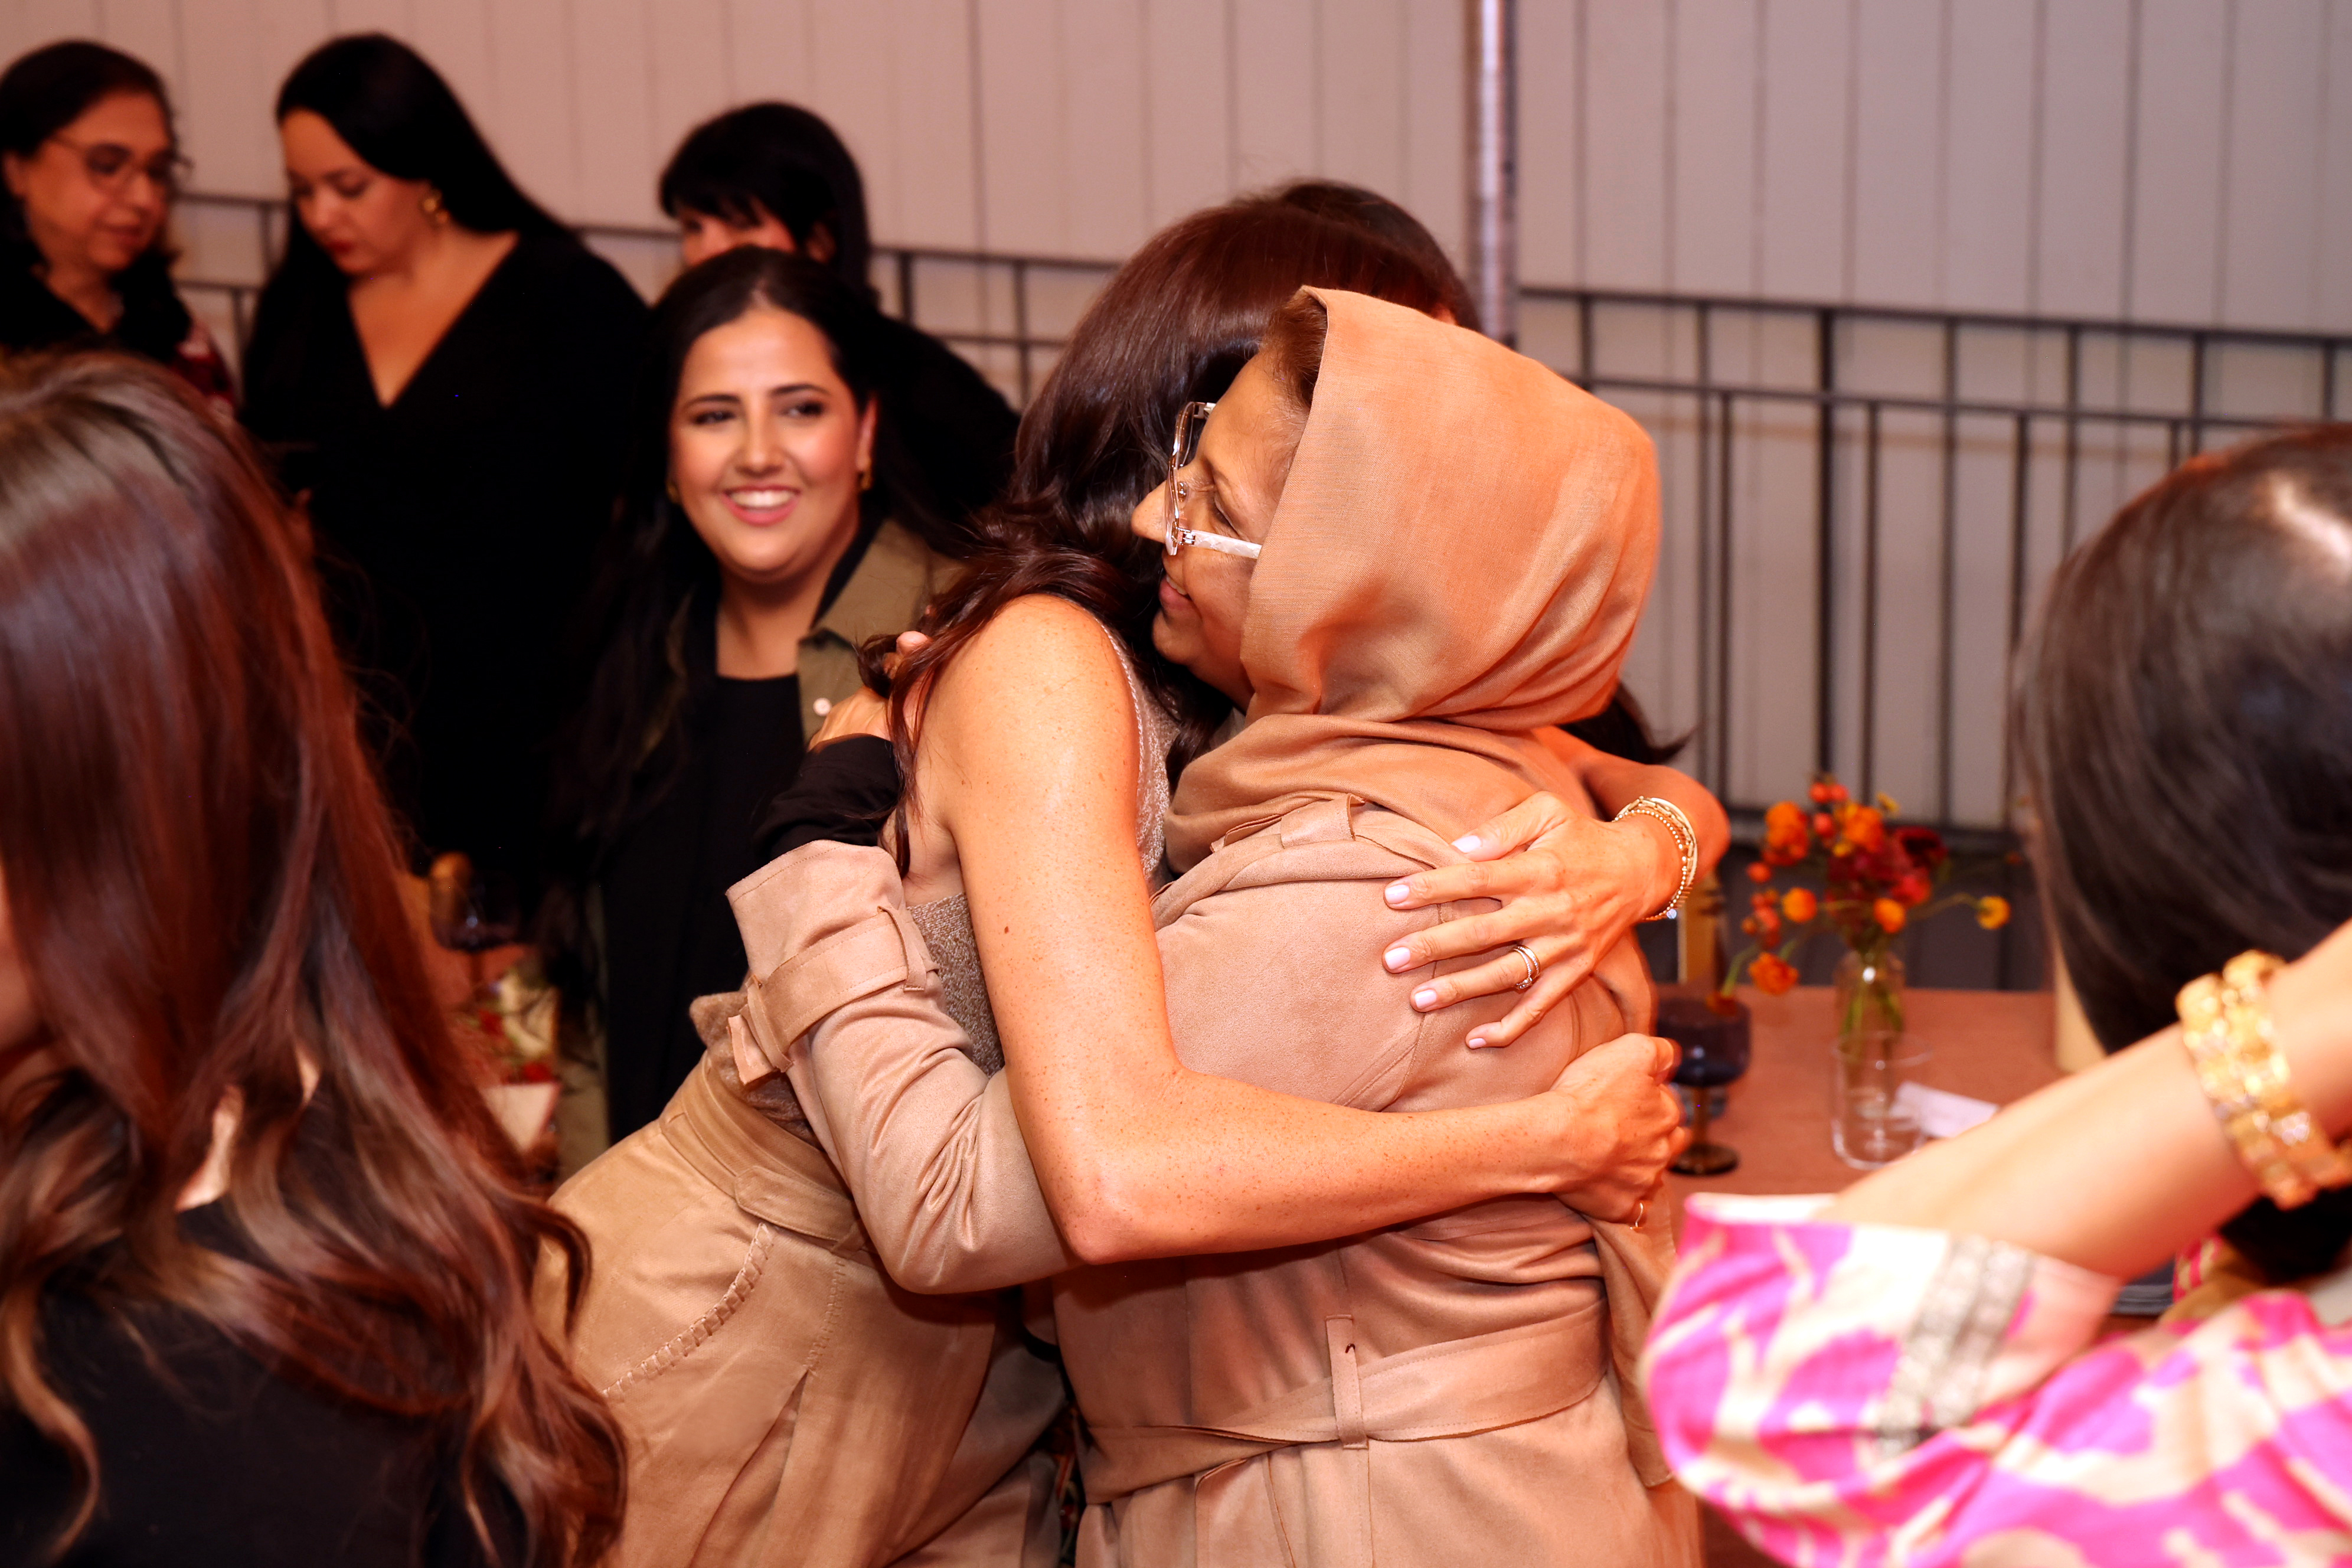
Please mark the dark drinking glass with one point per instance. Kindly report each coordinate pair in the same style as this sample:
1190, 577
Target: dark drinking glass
472, 911
1712, 1031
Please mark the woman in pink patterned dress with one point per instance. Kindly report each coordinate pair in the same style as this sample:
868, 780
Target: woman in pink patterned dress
1908, 1374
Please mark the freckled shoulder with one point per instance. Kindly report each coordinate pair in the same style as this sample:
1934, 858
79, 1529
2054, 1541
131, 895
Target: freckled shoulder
1041, 656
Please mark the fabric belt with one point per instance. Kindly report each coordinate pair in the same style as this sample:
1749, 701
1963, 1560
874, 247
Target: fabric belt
1446, 1390
771, 1173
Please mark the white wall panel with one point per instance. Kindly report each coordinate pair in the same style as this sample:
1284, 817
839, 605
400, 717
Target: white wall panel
1025, 153
769, 46
1271, 52
2176, 159
1364, 105
1623, 191
531, 113
1903, 116
619, 155
2083, 185
2271, 186
2179, 147
2333, 288
1986, 231
1186, 90
1713, 175
1552, 93
933, 193
1433, 182
1104, 125
1809, 101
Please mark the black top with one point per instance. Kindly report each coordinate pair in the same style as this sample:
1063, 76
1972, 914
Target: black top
843, 793
227, 1463
670, 935
154, 322
456, 527
154, 325
955, 427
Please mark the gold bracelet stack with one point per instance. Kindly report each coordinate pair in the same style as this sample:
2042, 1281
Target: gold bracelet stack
2226, 1021
1685, 839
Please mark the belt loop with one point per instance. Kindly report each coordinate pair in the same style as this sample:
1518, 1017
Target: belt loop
1347, 1385
1348, 1405
911, 940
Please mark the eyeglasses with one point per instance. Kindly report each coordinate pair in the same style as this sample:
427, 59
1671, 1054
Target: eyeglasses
1180, 455
111, 166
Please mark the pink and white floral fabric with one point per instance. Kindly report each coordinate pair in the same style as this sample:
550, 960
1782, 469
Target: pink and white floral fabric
1863, 1395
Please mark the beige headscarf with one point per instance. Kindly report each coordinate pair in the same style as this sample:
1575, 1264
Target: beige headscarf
1461, 553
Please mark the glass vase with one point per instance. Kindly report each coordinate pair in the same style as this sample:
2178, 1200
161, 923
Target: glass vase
1868, 994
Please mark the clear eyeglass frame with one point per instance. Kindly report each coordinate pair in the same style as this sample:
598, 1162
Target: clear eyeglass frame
1182, 452
112, 167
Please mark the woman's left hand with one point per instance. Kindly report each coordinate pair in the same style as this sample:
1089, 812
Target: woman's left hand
1571, 887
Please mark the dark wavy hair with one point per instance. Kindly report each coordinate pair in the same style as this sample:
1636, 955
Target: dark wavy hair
1375, 214
781, 161
396, 112
203, 879
620, 751
1177, 322
2184, 722
43, 92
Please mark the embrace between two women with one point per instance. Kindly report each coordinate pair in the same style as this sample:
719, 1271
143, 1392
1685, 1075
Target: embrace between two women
1321, 1279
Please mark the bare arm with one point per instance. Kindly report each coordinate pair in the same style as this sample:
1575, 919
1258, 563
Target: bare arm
2119, 1167
1571, 886
1136, 1154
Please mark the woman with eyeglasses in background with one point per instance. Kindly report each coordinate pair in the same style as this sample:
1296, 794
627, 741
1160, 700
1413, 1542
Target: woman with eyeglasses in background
92, 163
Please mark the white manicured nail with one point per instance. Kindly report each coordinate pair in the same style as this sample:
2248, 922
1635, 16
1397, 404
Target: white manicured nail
1398, 958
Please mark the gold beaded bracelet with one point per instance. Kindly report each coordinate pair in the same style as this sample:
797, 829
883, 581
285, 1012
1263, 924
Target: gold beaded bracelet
1686, 841
2226, 1022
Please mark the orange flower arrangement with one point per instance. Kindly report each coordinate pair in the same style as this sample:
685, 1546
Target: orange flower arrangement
1876, 879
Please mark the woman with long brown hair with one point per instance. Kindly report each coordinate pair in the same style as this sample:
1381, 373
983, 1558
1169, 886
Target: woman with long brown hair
264, 1255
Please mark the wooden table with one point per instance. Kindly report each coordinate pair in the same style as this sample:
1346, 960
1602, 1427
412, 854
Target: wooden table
1988, 1045
1999, 1045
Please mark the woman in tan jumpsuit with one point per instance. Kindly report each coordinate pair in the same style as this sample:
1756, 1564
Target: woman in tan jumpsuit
1456, 547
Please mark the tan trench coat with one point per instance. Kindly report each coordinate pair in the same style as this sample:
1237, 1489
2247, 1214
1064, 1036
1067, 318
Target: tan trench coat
783, 1402
1453, 1393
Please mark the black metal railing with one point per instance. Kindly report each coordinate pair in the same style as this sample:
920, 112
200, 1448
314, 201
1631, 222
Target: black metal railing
2169, 391
1928, 468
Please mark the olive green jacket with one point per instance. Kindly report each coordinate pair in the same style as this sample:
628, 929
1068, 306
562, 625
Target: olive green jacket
885, 594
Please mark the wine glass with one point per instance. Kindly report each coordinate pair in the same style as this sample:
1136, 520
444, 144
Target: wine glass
1712, 1030
472, 910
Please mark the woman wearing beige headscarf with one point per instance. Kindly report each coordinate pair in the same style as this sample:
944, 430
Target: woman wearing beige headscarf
1426, 546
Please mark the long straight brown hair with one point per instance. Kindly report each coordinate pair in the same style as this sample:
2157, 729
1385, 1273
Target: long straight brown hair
200, 869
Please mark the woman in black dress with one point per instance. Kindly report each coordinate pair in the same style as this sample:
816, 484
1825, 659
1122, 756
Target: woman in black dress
775, 174
265, 1258
92, 164
444, 372
767, 528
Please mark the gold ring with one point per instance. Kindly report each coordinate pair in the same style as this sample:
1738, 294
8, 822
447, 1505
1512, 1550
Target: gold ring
1535, 965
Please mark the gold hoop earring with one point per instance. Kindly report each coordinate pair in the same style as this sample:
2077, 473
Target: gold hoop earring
674, 498
434, 207
865, 480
